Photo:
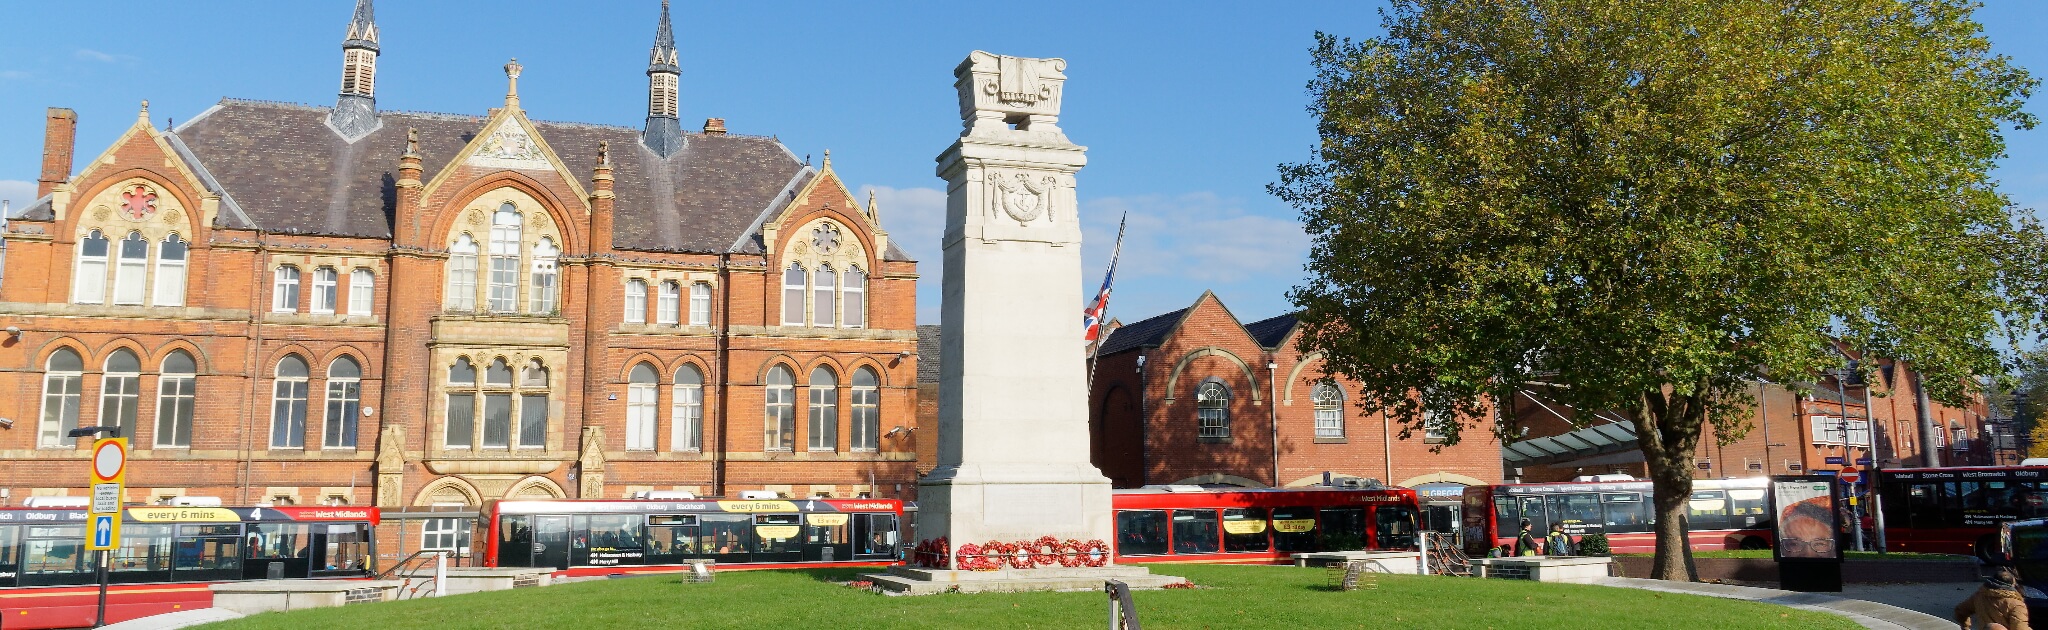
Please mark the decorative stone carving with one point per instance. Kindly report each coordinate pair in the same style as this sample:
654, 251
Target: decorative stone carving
1023, 196
138, 203
102, 213
172, 216
590, 482
476, 217
509, 146
390, 466
998, 90
826, 237
540, 219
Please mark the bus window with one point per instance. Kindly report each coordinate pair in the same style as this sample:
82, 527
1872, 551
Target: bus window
826, 536
1978, 495
1624, 512
1343, 529
2029, 499
1746, 507
10, 545
1923, 501
875, 535
1244, 529
1393, 527
1708, 509
1194, 531
55, 555
348, 548
275, 540
515, 541
775, 533
671, 538
1532, 509
1141, 532
1294, 529
726, 535
1507, 516
209, 552
143, 548
1578, 513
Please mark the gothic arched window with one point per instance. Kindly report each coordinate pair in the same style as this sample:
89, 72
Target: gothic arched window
63, 378
824, 307
1212, 409
131, 276
855, 298
1329, 404
89, 279
504, 289
545, 254
794, 284
170, 272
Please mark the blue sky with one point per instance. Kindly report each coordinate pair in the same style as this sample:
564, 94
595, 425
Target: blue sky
1186, 108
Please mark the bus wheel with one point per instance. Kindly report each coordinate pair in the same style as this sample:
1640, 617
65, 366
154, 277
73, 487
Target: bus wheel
1754, 543
1985, 547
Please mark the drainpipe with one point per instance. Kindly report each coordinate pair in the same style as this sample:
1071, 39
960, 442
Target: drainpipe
1387, 443
1273, 409
1144, 423
724, 338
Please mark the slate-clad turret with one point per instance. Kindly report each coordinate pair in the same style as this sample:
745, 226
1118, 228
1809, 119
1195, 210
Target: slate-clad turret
355, 111
664, 134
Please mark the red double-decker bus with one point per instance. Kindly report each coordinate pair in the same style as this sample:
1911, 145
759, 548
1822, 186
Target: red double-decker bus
1195, 524
593, 537
1958, 510
167, 557
1721, 513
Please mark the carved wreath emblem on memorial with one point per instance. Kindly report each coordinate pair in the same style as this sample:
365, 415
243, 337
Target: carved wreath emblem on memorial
138, 203
1023, 196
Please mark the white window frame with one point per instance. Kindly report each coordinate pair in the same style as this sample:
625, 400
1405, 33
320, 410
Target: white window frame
853, 301
779, 410
65, 389
507, 228
546, 277
686, 411
326, 285
170, 272
284, 289
362, 291
1212, 410
865, 407
670, 307
121, 393
531, 388
131, 275
175, 392
460, 389
822, 411
1328, 402
444, 534
462, 274
700, 304
342, 404
89, 273
795, 294
636, 301
642, 396
289, 390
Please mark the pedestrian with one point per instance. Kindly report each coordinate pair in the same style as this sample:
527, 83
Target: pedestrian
1525, 543
1557, 543
1996, 603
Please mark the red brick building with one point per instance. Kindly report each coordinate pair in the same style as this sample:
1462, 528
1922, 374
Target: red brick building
1789, 433
291, 304
1196, 397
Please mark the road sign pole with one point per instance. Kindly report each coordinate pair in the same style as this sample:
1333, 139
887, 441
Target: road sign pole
99, 618
103, 520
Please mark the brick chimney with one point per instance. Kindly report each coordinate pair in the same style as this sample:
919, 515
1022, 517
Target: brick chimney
60, 133
714, 126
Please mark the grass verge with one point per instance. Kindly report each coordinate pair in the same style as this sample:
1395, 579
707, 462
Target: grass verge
1230, 597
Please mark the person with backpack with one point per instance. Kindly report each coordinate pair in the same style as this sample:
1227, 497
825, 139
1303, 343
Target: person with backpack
1557, 543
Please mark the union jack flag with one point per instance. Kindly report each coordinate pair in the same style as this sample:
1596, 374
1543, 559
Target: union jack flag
1091, 318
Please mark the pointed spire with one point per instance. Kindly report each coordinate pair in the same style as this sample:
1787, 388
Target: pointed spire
355, 111
664, 131
512, 70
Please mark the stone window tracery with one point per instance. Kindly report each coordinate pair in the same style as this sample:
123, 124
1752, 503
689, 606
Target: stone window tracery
824, 307
826, 282
63, 380
176, 395
497, 411
533, 405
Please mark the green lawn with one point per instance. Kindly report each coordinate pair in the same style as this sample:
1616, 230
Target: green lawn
1852, 555
1235, 597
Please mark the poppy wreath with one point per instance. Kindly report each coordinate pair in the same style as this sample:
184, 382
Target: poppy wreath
998, 553
975, 558
1094, 553
1044, 552
1072, 554
932, 553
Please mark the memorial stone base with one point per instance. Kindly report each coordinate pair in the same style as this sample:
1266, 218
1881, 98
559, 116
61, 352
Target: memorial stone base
919, 581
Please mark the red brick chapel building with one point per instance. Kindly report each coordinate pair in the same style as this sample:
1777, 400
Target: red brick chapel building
1196, 397
293, 304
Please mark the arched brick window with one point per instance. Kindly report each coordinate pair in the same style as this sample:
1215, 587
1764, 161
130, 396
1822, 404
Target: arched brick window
120, 391
867, 410
176, 385
1212, 409
779, 412
641, 393
288, 403
1329, 404
344, 403
823, 409
686, 412
63, 378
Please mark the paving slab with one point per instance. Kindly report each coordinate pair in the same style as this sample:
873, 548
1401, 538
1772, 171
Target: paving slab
1869, 614
172, 621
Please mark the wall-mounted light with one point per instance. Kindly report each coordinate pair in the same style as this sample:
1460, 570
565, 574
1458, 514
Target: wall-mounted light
14, 331
6, 423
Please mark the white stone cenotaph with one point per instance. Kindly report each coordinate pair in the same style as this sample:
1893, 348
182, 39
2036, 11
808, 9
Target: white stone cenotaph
1014, 490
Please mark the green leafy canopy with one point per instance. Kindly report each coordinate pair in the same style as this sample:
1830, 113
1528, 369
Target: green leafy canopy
1643, 205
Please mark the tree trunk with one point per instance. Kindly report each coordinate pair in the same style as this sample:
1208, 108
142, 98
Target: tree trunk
1668, 429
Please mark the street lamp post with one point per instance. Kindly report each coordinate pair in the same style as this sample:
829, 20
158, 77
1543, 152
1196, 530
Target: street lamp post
99, 617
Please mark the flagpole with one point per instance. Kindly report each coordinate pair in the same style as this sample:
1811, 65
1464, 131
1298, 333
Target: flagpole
1102, 318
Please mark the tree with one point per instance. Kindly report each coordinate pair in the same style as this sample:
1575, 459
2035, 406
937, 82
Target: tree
2025, 399
1645, 206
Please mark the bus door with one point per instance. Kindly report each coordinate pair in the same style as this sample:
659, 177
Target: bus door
826, 536
551, 542
874, 536
1393, 527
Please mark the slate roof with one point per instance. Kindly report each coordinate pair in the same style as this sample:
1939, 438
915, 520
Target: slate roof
1271, 331
289, 172
1148, 332
928, 353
